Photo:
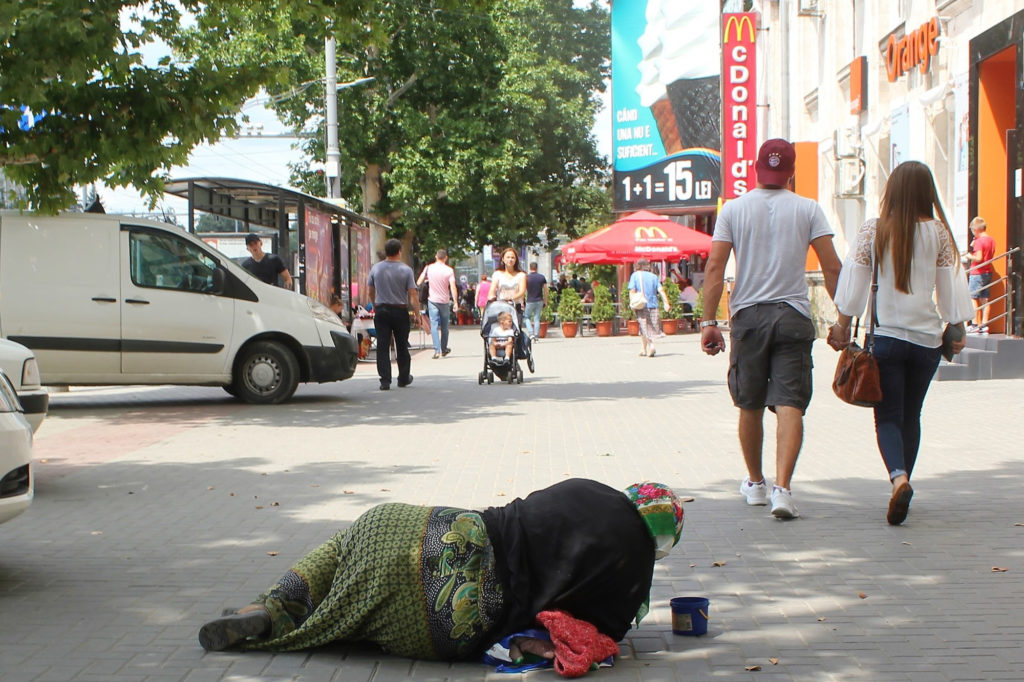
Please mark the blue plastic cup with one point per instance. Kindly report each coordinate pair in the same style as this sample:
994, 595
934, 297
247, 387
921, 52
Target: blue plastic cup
689, 615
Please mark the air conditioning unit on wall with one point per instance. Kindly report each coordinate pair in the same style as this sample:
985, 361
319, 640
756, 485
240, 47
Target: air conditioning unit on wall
850, 177
810, 8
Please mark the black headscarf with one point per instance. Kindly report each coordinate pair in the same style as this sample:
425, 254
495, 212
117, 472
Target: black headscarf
579, 546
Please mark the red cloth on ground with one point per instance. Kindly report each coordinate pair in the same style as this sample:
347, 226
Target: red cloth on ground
578, 644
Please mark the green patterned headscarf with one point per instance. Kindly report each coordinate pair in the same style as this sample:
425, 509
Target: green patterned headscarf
662, 511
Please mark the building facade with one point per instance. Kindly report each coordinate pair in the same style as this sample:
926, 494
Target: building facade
867, 84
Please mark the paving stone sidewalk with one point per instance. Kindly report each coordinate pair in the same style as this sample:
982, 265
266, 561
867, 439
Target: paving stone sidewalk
157, 507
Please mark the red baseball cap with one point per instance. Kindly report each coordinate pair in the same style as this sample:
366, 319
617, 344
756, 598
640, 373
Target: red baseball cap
776, 162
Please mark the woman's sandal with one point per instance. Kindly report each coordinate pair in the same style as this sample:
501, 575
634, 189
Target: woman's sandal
229, 630
899, 504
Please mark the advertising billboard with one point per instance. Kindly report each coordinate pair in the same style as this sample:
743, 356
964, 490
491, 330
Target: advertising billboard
319, 247
666, 101
739, 102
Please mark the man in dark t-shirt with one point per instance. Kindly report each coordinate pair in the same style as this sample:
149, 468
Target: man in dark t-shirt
264, 266
536, 299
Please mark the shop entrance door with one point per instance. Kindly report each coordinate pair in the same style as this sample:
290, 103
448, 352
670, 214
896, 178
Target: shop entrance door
1015, 224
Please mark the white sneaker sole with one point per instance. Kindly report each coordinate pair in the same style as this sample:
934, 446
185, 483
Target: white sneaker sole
781, 512
754, 501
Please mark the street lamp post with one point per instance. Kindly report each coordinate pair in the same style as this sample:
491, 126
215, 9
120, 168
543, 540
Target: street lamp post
332, 158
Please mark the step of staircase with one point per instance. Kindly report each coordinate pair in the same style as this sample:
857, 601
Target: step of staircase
987, 356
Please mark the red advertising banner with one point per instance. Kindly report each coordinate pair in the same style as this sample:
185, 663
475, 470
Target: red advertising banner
739, 102
319, 247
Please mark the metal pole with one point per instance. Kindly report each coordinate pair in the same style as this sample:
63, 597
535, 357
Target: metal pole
332, 173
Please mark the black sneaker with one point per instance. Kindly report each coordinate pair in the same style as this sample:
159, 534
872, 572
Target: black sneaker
385, 387
403, 384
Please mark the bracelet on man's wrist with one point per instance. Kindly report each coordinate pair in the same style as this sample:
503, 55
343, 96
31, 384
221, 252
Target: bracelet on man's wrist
708, 323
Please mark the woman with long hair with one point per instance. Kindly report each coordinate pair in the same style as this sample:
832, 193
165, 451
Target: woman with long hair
917, 256
508, 283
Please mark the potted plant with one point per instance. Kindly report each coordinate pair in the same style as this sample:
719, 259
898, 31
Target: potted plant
547, 314
670, 318
570, 311
632, 324
603, 311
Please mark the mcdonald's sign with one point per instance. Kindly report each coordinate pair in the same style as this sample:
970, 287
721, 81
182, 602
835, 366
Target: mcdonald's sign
739, 102
649, 233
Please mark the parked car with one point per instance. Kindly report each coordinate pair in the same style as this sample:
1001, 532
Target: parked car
17, 485
105, 299
23, 371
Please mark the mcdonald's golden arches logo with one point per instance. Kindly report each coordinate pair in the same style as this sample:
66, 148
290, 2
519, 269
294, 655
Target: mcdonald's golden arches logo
736, 23
649, 232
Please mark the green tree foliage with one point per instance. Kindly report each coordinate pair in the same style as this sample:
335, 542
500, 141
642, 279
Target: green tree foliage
118, 118
476, 127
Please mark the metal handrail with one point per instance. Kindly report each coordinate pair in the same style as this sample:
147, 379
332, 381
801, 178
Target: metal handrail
1007, 295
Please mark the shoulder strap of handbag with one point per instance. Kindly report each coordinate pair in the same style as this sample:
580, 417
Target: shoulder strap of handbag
869, 340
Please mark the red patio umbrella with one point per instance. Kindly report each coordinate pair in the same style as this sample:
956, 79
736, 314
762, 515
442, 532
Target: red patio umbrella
639, 235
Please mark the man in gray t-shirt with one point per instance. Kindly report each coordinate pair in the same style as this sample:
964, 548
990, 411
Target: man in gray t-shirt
769, 229
392, 288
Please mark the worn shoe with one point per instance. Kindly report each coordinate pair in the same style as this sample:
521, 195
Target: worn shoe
227, 631
983, 329
385, 387
436, 356
403, 384
899, 504
782, 504
756, 493
445, 352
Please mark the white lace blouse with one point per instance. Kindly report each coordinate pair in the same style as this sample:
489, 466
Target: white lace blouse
935, 275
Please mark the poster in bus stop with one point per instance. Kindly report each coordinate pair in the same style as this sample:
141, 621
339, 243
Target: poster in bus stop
666, 105
319, 248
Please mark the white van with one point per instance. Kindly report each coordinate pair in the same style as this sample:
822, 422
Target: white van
105, 299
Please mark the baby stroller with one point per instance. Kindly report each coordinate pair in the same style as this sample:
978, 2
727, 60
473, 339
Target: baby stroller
506, 368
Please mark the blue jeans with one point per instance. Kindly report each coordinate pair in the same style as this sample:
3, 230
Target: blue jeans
440, 315
532, 320
906, 371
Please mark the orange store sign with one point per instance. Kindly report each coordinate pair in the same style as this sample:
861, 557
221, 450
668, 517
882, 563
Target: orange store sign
914, 49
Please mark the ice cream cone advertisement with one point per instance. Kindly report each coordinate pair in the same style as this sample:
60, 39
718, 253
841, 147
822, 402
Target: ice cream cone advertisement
666, 100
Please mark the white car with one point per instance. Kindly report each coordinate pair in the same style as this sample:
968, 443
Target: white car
22, 369
17, 485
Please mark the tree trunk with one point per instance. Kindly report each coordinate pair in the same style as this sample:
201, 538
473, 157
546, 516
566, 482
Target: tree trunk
371, 195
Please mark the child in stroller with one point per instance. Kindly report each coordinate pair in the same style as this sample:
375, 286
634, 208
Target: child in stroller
504, 344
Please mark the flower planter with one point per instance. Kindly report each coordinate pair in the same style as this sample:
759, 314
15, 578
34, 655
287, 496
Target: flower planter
570, 329
669, 327
633, 326
543, 332
604, 327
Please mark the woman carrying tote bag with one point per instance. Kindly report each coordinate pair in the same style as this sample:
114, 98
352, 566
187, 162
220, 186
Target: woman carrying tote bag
916, 257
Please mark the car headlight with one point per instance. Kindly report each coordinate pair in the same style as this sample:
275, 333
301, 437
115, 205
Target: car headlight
322, 312
30, 373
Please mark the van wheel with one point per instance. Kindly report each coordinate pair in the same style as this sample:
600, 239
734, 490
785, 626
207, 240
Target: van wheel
267, 373
230, 388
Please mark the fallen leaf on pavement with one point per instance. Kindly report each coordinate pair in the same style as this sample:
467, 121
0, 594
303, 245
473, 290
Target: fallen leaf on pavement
773, 661
693, 565
908, 543
44, 461
718, 563
1016, 524
822, 619
315, 485
684, 500
271, 553
231, 494
999, 569
210, 487
752, 668
862, 595
385, 490
275, 504
96, 532
501, 494
259, 506
349, 492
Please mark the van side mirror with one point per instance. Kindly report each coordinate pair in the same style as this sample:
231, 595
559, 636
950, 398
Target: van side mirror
219, 278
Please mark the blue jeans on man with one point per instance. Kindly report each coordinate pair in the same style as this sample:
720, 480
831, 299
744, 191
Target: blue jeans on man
440, 315
532, 317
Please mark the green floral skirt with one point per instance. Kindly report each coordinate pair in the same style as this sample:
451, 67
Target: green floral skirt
418, 581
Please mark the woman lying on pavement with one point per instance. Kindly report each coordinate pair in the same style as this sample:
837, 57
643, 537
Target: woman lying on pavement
444, 583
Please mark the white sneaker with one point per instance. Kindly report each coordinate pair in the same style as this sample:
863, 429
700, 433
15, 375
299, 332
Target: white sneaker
782, 504
756, 493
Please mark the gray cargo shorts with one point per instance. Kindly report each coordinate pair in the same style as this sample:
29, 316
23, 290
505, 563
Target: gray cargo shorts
770, 359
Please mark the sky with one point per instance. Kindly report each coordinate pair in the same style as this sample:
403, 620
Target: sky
266, 158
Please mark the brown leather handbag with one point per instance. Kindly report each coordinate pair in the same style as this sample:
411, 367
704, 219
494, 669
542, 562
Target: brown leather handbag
857, 381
